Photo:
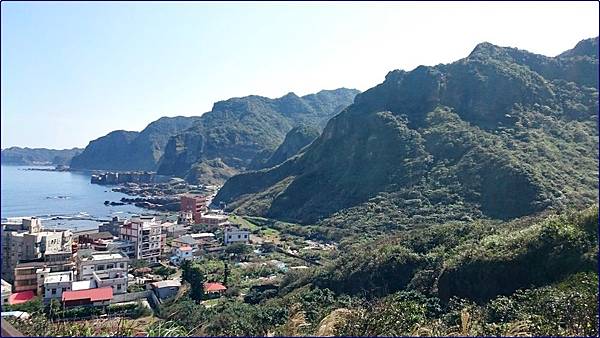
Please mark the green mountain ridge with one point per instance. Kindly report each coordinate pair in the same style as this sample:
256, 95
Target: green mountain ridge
295, 140
500, 134
130, 150
241, 132
38, 156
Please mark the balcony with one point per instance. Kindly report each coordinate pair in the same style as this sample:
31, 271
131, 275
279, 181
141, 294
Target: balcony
28, 276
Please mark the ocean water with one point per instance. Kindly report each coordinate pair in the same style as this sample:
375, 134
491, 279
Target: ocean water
61, 199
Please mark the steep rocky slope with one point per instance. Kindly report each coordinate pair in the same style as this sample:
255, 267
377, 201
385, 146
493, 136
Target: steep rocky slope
129, 150
500, 134
241, 131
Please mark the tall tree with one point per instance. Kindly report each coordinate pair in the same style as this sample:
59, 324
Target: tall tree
193, 275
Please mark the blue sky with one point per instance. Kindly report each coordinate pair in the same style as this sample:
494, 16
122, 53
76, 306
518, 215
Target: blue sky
72, 72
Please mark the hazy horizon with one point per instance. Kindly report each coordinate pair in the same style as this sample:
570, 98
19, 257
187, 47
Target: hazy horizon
74, 72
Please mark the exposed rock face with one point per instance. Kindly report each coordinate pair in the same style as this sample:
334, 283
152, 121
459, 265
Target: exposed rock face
129, 150
241, 131
501, 134
295, 140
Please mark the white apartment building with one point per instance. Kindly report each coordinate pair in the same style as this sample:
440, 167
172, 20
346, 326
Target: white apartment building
145, 232
235, 235
104, 270
56, 283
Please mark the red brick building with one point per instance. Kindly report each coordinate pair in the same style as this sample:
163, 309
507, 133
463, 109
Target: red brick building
195, 204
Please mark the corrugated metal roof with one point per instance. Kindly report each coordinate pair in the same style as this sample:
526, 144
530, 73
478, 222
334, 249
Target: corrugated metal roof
93, 295
20, 297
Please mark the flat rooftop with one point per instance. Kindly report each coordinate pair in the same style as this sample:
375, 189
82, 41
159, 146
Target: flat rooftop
209, 216
83, 285
105, 256
166, 284
58, 277
203, 235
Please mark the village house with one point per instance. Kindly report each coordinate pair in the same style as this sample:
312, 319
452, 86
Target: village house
184, 241
55, 283
104, 270
174, 230
94, 297
234, 235
214, 220
165, 289
214, 289
183, 253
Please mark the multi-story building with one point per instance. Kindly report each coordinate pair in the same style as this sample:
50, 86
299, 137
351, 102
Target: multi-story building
234, 235
104, 270
174, 230
214, 220
123, 246
145, 232
185, 218
20, 224
194, 204
25, 241
30, 276
26, 276
12, 248
55, 283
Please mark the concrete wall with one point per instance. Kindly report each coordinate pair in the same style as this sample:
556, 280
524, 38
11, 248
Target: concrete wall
129, 297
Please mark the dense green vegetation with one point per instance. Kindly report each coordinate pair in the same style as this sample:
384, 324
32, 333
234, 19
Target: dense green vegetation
131, 150
38, 156
296, 139
54, 320
240, 133
531, 276
489, 136
461, 198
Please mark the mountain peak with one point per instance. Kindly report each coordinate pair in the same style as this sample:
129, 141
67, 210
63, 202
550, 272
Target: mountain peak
486, 49
290, 95
586, 47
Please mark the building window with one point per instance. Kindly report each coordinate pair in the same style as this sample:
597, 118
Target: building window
119, 287
245, 236
122, 265
53, 291
229, 236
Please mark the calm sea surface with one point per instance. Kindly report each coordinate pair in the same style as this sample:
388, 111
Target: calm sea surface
52, 195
